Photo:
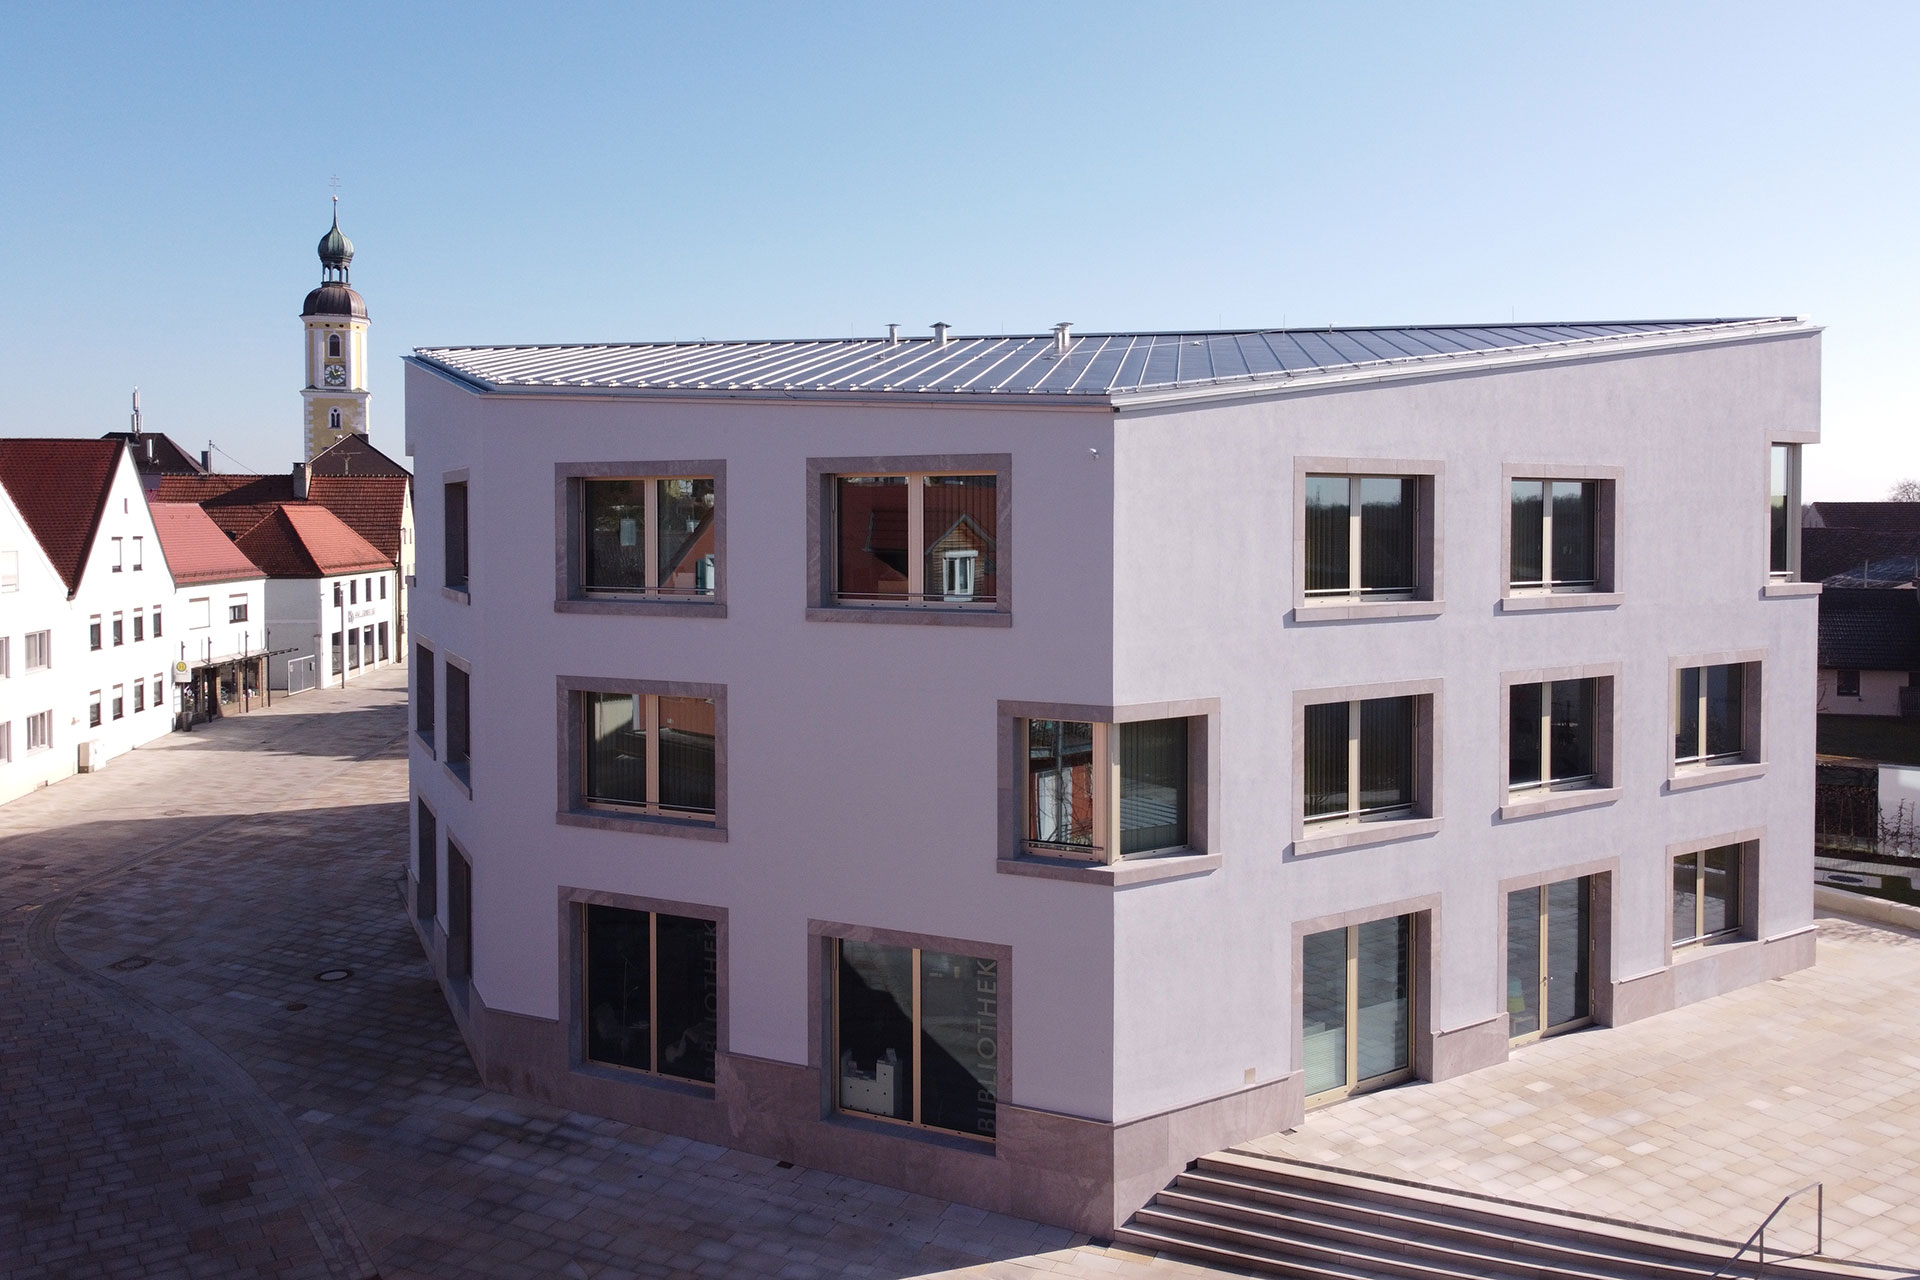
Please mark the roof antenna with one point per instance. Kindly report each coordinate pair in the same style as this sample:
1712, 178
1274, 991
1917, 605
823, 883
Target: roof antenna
136, 413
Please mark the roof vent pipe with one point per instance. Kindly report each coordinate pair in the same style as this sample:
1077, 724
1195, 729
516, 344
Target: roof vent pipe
940, 328
300, 481
1063, 336
893, 335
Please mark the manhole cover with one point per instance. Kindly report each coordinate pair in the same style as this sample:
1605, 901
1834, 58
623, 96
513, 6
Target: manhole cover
333, 975
131, 963
295, 1007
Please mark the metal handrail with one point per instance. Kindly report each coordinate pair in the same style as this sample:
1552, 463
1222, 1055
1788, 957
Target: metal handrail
1760, 1233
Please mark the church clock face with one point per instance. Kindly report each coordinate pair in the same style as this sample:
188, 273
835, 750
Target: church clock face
336, 376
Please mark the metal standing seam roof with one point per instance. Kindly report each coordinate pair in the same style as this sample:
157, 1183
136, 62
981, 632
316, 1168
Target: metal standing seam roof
1093, 368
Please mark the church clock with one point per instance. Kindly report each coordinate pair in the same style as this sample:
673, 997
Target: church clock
336, 376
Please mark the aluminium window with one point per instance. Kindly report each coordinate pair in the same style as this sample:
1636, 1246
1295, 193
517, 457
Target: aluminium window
1106, 791
454, 512
1710, 713
1553, 734
901, 539
916, 1036
1555, 535
1361, 759
644, 753
353, 649
40, 731
1357, 1008
1363, 537
1706, 894
1783, 513
649, 536
459, 757
40, 650
652, 992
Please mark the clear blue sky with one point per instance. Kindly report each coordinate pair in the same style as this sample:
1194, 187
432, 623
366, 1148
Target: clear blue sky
558, 173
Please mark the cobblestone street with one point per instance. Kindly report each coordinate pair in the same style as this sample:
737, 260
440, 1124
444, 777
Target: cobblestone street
182, 1094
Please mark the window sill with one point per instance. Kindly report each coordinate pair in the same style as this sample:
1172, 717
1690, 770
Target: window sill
1561, 600
1538, 805
698, 1089
462, 778
641, 824
1701, 948
647, 606
911, 616
1358, 610
1789, 590
1713, 774
425, 743
459, 595
1144, 869
1354, 835
855, 1121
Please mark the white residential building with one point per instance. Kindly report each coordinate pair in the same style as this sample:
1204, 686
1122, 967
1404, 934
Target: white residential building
33, 606
332, 598
220, 615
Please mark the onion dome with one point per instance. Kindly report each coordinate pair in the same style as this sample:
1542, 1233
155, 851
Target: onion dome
336, 251
335, 297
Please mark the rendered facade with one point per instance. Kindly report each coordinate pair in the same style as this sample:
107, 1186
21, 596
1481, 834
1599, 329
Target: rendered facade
1011, 768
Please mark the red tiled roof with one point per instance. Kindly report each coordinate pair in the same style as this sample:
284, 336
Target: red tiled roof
304, 540
235, 503
196, 549
370, 505
60, 488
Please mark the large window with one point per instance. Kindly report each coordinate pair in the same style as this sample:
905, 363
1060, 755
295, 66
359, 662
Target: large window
459, 916
1551, 734
1360, 758
459, 738
1710, 713
1101, 791
1362, 537
1783, 512
1356, 1007
455, 500
916, 1036
1549, 958
652, 992
1706, 894
1555, 535
647, 753
919, 538
649, 536
426, 862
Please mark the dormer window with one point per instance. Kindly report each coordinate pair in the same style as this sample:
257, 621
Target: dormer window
333, 346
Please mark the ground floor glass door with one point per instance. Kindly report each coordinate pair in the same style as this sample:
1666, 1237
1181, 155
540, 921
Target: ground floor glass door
1549, 958
1357, 1007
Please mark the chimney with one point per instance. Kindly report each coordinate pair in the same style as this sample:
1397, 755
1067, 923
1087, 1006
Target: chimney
1063, 336
940, 328
300, 480
893, 335
149, 441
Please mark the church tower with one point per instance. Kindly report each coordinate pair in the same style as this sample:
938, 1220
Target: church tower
335, 317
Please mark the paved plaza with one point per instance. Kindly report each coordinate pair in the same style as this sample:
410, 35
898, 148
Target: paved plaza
182, 1094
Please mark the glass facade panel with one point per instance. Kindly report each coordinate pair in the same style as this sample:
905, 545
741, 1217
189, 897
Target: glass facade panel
1686, 897
1386, 754
1523, 962
1725, 695
1388, 533
1573, 532
1527, 566
687, 995
686, 754
1569, 950
616, 748
1523, 735
872, 538
1329, 535
1686, 714
874, 1029
1384, 997
959, 515
1326, 764
1570, 733
1060, 782
619, 996
1720, 890
615, 513
1153, 785
1323, 1008
959, 1042
1780, 546
685, 519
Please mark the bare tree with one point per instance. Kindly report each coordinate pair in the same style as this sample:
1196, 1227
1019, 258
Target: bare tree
1904, 491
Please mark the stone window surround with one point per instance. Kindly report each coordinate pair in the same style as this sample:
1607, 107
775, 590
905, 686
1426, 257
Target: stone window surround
1753, 843
1426, 913
573, 993
1198, 858
571, 811
821, 934
431, 670
1605, 787
1753, 759
821, 604
1428, 754
456, 594
426, 894
1606, 591
1606, 881
1791, 586
1429, 539
441, 710
571, 597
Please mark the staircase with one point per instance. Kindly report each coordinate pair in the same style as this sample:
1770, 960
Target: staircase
1277, 1217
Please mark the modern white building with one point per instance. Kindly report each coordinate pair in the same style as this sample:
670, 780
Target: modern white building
1009, 768
332, 599
98, 643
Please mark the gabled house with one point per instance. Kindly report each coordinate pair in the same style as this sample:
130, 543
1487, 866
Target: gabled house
221, 618
1870, 651
33, 605
323, 580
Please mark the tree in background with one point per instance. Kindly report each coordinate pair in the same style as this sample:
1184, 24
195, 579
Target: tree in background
1904, 491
